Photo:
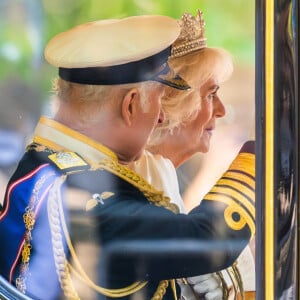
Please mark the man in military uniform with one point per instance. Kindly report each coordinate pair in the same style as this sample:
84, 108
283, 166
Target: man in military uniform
108, 104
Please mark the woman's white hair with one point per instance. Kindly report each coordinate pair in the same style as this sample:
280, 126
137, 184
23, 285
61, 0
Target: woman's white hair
180, 107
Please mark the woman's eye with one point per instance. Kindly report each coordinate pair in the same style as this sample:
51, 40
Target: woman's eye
212, 96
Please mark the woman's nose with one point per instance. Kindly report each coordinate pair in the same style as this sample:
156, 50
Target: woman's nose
219, 108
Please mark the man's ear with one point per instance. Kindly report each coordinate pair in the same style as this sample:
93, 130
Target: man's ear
130, 105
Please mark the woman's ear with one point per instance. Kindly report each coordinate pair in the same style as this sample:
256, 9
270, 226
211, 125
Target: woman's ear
130, 106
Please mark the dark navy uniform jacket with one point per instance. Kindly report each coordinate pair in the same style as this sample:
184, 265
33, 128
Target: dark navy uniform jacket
140, 236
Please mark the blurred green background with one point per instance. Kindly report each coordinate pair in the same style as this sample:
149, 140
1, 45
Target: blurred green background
27, 25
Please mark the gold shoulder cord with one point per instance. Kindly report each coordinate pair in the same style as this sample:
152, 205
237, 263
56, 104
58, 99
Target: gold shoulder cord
57, 220
63, 267
224, 285
237, 283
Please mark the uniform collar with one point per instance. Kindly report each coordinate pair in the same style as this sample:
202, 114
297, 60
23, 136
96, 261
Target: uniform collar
62, 138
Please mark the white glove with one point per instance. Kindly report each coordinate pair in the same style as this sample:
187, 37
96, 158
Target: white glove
206, 287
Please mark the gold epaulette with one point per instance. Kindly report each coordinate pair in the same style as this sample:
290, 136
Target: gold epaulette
68, 162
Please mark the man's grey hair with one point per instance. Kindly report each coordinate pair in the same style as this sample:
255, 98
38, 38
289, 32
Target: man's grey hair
102, 94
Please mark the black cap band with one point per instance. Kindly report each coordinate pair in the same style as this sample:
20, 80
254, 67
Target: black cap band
137, 71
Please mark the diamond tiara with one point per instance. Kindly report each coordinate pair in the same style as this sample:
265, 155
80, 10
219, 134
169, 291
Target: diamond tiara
191, 37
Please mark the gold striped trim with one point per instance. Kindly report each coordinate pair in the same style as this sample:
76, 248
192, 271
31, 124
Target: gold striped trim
240, 195
236, 207
242, 177
227, 199
245, 162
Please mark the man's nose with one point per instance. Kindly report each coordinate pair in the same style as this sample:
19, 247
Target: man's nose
161, 116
